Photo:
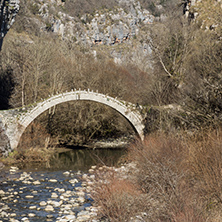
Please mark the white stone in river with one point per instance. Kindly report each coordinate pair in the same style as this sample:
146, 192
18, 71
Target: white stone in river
66, 173
75, 204
49, 208
36, 182
31, 215
61, 190
83, 213
84, 176
53, 180
42, 203
81, 199
2, 192
67, 206
70, 217
74, 181
84, 184
13, 215
80, 193
29, 196
34, 191
56, 204
15, 201
25, 219
15, 193
3, 214
54, 195
92, 177
83, 218
67, 194
91, 170
32, 207
14, 168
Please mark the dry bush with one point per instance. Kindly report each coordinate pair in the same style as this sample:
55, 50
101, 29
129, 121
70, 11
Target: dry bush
162, 174
205, 164
177, 179
118, 199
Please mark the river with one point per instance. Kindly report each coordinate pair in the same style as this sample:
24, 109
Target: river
37, 193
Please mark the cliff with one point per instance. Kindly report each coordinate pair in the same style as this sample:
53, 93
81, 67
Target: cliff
9, 9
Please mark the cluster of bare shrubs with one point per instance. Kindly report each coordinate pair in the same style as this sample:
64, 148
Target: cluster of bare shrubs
175, 179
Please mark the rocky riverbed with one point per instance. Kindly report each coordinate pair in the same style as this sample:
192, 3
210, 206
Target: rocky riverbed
45, 196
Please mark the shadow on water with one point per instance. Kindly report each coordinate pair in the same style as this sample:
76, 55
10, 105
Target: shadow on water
83, 159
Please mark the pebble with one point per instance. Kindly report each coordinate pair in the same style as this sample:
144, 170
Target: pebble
29, 196
74, 181
70, 217
31, 215
54, 195
2, 192
66, 173
42, 203
61, 190
49, 208
13, 215
36, 182
49, 216
53, 180
56, 204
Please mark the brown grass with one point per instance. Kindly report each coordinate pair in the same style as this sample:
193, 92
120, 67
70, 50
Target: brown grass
177, 179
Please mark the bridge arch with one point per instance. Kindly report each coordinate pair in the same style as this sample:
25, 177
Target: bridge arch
127, 110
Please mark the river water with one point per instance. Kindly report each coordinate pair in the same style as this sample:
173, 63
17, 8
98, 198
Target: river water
37, 193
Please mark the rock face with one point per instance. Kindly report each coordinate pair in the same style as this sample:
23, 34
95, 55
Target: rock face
105, 27
9, 9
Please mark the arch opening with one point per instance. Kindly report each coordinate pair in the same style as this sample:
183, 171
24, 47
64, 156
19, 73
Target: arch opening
125, 111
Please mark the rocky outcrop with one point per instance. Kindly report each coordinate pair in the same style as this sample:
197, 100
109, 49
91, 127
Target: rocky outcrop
9, 9
105, 27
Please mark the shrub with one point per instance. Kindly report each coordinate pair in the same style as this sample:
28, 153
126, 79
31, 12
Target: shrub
119, 199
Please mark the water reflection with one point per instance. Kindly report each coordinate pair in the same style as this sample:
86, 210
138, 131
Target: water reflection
83, 159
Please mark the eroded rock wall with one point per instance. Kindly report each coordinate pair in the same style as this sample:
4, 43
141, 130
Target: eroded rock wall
9, 9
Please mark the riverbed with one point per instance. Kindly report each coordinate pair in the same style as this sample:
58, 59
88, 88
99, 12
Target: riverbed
57, 193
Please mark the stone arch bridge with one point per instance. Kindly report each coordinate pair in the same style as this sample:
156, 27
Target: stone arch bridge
15, 121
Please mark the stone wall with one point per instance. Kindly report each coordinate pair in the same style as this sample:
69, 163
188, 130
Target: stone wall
5, 147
